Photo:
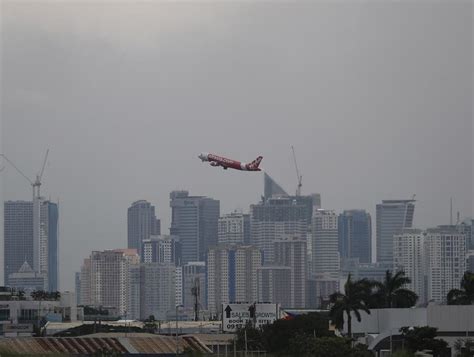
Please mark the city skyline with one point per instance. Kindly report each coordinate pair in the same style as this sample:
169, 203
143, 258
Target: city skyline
126, 105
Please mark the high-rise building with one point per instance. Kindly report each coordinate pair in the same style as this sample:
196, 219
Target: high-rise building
392, 217
355, 235
271, 189
325, 257
105, 278
24, 243
273, 283
274, 219
152, 290
291, 252
142, 223
234, 228
409, 256
194, 219
194, 275
179, 285
232, 275
18, 236
161, 249
77, 284
446, 256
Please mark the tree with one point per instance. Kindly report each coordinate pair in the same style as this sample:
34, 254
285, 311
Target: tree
465, 295
353, 300
464, 347
305, 345
391, 294
424, 339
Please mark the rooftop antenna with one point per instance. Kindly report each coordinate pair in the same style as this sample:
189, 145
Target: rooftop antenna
298, 176
451, 211
196, 292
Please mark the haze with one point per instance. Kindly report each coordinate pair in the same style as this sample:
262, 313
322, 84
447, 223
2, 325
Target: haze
376, 97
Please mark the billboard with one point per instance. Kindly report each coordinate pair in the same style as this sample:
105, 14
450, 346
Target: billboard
235, 316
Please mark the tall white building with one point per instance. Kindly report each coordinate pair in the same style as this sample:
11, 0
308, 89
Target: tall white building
409, 256
105, 278
232, 275
325, 245
446, 256
234, 228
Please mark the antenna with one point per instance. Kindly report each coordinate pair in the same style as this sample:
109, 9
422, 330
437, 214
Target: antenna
196, 292
298, 176
451, 211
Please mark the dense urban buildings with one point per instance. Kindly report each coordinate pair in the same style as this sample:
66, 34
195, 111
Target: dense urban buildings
234, 228
273, 283
152, 291
194, 220
105, 279
232, 275
392, 217
142, 223
274, 219
409, 256
161, 249
355, 235
291, 252
446, 255
194, 276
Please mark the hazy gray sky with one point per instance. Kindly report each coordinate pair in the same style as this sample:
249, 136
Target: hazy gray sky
375, 96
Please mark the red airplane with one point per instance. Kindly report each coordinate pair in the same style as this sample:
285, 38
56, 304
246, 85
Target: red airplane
215, 160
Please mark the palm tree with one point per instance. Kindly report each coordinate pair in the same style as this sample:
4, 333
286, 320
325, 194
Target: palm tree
391, 294
354, 299
465, 295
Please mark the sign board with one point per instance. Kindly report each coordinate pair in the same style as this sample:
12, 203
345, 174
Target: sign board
235, 316
18, 328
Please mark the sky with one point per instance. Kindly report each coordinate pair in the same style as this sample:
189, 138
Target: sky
375, 96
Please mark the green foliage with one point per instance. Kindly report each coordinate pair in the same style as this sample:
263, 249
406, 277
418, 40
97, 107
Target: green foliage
44, 295
275, 338
465, 295
423, 338
464, 347
354, 299
304, 345
391, 294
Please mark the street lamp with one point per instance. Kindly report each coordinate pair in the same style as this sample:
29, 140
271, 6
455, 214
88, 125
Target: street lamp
176, 317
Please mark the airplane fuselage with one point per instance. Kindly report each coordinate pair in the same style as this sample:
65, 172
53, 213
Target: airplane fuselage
226, 163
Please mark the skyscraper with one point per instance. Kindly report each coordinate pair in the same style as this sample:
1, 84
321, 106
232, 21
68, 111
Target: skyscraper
142, 223
152, 290
273, 282
355, 235
20, 244
410, 257
276, 218
446, 255
161, 249
392, 217
232, 275
234, 228
325, 257
194, 220
105, 278
291, 252
18, 236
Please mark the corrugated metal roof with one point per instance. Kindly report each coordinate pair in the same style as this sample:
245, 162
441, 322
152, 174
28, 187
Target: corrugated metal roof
90, 345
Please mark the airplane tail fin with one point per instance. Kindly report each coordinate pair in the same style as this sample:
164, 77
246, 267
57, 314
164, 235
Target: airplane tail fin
255, 163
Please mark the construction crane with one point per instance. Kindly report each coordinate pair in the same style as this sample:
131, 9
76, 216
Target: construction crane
298, 176
36, 185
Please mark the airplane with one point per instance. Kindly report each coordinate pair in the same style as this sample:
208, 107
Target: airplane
215, 160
